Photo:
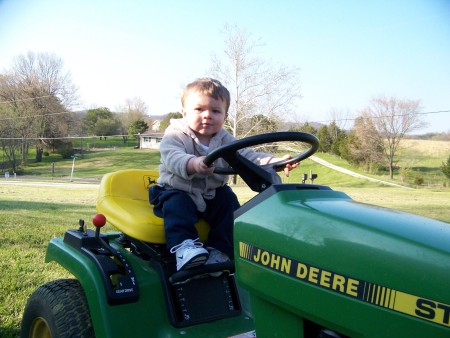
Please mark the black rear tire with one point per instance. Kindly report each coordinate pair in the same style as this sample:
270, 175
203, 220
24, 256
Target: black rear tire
57, 309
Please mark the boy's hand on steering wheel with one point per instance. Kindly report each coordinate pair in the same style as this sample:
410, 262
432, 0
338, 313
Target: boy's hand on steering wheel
197, 165
288, 167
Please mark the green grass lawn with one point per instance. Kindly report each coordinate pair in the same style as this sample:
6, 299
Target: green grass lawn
30, 217
94, 164
422, 158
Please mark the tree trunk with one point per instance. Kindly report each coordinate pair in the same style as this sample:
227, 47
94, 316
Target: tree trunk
391, 170
39, 152
233, 179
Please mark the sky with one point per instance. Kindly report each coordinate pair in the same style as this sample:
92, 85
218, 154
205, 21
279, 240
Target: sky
347, 52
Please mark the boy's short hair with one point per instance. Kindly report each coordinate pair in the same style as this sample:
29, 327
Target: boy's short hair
209, 87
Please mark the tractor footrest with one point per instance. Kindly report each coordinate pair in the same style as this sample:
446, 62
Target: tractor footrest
210, 269
200, 294
204, 299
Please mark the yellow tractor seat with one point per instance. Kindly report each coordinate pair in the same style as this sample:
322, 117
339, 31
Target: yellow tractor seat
123, 199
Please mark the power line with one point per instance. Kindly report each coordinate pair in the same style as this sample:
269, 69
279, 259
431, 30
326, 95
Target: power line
324, 121
34, 116
28, 99
383, 116
61, 137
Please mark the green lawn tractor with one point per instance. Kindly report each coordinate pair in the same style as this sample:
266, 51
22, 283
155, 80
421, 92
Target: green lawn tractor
309, 263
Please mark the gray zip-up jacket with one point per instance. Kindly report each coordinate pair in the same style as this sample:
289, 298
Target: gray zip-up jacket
179, 145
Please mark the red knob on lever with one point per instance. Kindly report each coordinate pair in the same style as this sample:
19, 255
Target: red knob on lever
99, 220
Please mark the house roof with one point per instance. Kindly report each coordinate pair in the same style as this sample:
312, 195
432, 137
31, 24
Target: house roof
151, 134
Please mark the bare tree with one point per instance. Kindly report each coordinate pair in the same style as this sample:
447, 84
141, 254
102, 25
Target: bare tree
393, 119
39, 93
340, 118
41, 74
135, 109
364, 145
255, 85
9, 142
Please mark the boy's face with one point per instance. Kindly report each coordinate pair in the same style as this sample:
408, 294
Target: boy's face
204, 115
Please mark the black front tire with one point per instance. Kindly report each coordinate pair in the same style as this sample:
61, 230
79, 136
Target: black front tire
57, 309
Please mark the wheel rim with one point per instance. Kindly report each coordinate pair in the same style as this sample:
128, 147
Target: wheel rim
40, 329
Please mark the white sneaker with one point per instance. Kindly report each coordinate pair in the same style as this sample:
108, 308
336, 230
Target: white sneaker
216, 256
189, 253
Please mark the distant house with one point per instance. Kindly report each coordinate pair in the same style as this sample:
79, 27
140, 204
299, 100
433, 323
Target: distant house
155, 125
155, 122
150, 140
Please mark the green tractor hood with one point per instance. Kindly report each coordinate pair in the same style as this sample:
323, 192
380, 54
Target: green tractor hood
312, 256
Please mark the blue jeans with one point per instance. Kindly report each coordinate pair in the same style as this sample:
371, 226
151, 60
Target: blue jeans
180, 216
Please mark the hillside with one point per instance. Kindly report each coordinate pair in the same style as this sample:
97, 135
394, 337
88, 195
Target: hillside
429, 200
416, 158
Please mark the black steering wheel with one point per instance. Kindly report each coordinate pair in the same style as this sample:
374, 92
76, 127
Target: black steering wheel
256, 176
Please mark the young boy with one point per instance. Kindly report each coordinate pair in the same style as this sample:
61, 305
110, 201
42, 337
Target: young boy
188, 189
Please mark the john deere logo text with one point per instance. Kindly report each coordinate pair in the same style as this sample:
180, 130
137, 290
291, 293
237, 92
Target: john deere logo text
364, 291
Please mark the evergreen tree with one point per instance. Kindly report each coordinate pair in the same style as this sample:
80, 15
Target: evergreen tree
445, 168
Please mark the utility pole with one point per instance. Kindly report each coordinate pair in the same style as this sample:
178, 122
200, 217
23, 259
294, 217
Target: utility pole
73, 166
